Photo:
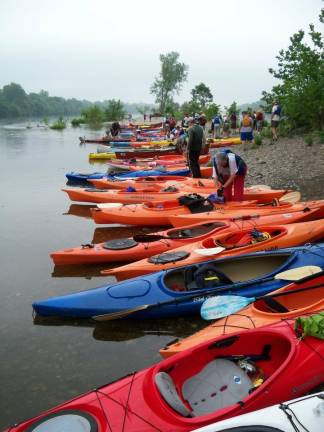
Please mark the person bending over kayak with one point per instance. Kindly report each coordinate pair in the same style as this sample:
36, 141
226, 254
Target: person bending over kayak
195, 143
229, 170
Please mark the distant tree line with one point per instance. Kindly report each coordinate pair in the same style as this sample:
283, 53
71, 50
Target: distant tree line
15, 102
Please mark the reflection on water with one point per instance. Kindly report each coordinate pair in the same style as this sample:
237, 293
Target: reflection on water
125, 330
83, 271
80, 210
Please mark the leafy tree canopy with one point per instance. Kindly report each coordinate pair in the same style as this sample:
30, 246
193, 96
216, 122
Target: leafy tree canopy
171, 77
201, 95
300, 72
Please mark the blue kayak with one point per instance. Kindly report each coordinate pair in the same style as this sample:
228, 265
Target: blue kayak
81, 177
182, 291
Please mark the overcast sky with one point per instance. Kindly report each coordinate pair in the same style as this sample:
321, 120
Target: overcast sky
103, 49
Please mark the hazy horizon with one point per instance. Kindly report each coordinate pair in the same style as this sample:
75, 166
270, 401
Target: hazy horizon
99, 50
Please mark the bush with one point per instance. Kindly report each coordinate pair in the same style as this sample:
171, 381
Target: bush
59, 124
77, 121
258, 140
266, 132
320, 135
309, 140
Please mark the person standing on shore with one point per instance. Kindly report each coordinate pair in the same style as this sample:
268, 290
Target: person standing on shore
229, 171
217, 122
195, 142
275, 119
246, 128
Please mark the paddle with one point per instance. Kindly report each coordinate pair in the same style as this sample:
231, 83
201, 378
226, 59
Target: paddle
222, 306
291, 275
150, 238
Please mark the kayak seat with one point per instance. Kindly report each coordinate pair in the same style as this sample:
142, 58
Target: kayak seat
219, 384
208, 276
168, 391
184, 233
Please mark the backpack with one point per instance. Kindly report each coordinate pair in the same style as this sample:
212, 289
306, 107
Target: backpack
277, 111
246, 121
216, 120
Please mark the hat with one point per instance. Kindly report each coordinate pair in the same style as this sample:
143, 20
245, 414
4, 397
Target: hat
190, 120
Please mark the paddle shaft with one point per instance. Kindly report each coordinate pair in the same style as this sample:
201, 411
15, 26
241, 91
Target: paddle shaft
288, 292
124, 313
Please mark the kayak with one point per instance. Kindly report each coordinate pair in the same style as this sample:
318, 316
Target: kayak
129, 249
184, 218
224, 142
148, 163
161, 213
138, 183
261, 313
103, 155
181, 291
83, 177
223, 245
137, 153
212, 382
285, 417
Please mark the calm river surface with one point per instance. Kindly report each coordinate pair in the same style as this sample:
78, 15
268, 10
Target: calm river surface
43, 364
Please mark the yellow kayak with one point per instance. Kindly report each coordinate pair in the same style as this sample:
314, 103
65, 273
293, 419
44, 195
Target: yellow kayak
93, 156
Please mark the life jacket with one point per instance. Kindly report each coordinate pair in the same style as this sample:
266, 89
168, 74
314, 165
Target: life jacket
241, 165
246, 121
216, 120
277, 111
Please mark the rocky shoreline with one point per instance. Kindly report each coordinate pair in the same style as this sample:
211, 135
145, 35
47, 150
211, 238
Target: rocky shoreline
287, 164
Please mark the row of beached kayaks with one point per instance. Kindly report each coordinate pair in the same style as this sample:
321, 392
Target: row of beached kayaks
253, 269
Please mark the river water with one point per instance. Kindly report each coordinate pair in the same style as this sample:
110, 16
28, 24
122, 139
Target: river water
45, 363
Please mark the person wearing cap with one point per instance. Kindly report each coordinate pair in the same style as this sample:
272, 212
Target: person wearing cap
229, 171
194, 147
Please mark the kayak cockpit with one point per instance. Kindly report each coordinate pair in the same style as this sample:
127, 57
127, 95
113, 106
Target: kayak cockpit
244, 238
225, 272
195, 231
222, 374
298, 301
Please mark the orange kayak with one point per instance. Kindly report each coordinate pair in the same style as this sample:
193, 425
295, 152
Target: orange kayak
161, 213
158, 182
259, 314
224, 245
127, 249
157, 213
183, 219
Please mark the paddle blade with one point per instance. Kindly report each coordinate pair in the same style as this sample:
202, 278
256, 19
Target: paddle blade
260, 186
222, 306
109, 205
298, 273
290, 197
209, 251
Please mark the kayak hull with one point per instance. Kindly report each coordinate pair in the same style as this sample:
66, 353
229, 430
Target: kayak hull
138, 401
281, 236
249, 275
258, 314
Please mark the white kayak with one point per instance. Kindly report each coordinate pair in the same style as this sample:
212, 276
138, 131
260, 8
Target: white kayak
302, 414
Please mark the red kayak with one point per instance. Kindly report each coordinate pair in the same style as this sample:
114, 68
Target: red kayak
141, 153
218, 379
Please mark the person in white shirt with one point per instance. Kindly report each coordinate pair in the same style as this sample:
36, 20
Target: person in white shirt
229, 171
275, 119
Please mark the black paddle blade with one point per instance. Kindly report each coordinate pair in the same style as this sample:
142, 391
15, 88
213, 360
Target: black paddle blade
148, 238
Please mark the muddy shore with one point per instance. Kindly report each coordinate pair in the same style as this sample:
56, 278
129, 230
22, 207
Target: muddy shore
286, 164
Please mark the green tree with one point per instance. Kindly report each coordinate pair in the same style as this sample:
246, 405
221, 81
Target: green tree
171, 77
300, 71
93, 115
201, 95
232, 109
115, 110
212, 110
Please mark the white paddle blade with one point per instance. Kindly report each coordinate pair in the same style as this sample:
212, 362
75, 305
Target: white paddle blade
222, 306
298, 273
109, 205
209, 251
290, 197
